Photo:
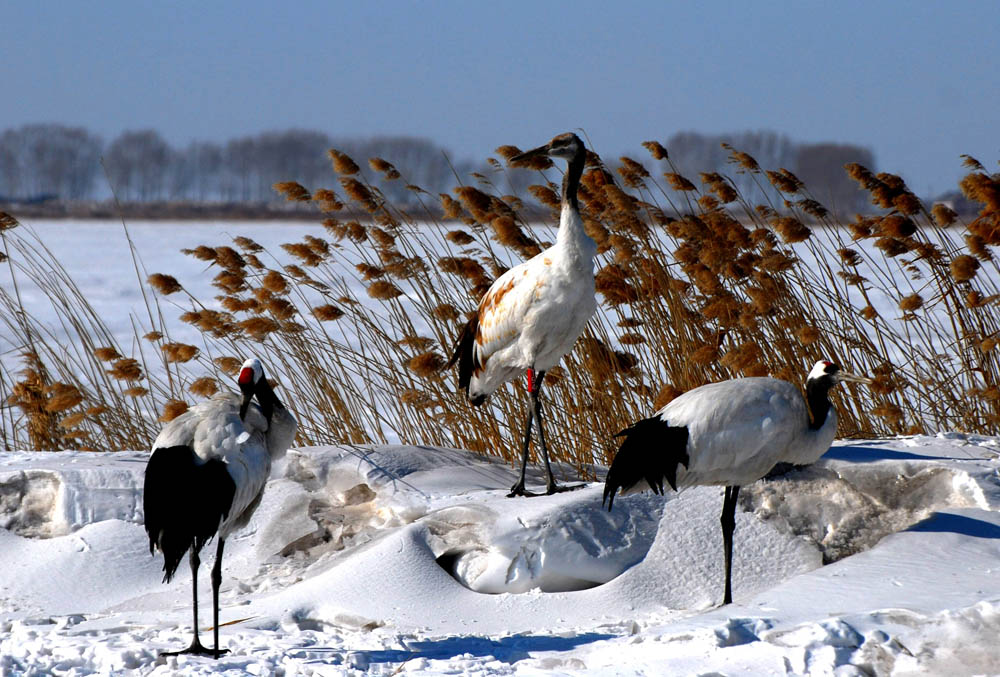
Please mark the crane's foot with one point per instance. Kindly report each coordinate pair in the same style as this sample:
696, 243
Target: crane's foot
519, 490
197, 649
560, 488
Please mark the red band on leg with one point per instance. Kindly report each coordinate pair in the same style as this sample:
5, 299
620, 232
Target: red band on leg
531, 380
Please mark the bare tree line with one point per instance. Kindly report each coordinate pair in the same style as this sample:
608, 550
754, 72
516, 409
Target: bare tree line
819, 165
53, 161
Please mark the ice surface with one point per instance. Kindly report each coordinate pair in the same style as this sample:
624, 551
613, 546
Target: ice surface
410, 559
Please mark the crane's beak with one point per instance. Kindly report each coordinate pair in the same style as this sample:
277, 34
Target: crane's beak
528, 155
845, 376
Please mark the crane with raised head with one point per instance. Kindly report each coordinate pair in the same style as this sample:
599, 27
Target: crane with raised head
533, 314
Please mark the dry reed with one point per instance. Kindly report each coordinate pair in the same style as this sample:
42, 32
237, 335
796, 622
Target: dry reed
695, 283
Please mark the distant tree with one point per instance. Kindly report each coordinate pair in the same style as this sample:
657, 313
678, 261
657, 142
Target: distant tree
291, 155
251, 165
194, 172
10, 168
49, 159
821, 167
85, 165
138, 163
206, 161
693, 153
238, 158
419, 161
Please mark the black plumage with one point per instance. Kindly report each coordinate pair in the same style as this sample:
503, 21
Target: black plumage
465, 356
636, 462
184, 500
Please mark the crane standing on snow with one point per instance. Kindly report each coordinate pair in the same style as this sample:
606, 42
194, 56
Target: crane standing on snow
729, 433
532, 315
206, 476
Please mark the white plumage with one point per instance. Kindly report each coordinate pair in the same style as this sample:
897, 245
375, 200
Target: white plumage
738, 430
206, 476
533, 314
729, 433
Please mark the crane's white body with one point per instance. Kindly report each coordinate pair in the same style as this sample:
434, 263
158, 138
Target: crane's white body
532, 314
738, 430
730, 433
214, 431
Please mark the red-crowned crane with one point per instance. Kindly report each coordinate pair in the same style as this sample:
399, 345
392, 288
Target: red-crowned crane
729, 433
532, 315
206, 476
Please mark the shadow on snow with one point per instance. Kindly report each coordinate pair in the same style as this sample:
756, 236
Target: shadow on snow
506, 650
860, 454
946, 522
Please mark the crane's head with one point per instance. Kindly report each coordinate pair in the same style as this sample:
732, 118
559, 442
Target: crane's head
566, 146
251, 376
827, 373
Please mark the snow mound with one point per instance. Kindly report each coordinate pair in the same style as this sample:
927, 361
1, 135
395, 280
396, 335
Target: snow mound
579, 546
393, 559
62, 492
846, 508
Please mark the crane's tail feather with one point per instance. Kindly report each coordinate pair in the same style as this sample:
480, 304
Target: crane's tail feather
184, 500
465, 356
651, 452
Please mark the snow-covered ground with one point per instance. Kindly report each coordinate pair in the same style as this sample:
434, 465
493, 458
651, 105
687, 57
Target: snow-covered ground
96, 255
410, 560
403, 559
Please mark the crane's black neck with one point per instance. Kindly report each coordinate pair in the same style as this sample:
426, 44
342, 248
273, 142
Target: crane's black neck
818, 400
267, 399
571, 179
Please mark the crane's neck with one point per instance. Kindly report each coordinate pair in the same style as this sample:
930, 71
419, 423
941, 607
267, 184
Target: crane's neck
818, 401
267, 399
281, 425
571, 179
571, 234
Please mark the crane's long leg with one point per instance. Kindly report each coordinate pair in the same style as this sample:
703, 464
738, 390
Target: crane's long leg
196, 646
216, 582
536, 402
518, 488
728, 526
535, 380
552, 487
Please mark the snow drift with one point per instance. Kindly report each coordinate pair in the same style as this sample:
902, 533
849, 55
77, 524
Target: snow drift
369, 558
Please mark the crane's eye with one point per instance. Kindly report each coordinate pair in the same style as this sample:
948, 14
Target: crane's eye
562, 148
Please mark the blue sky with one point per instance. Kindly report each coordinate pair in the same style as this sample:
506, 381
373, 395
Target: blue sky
915, 81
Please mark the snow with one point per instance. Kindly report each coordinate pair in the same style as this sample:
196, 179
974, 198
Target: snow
411, 560
96, 255
882, 558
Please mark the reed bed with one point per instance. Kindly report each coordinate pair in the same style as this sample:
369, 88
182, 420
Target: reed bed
695, 284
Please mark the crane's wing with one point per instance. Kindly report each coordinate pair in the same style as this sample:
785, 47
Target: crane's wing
736, 426
503, 309
651, 452
184, 500
497, 323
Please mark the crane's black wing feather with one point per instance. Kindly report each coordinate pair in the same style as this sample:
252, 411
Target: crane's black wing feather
184, 500
651, 451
